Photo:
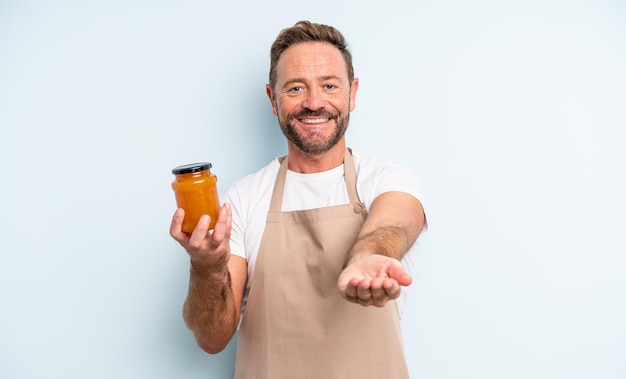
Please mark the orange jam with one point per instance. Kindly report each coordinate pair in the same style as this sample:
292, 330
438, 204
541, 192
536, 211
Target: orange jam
195, 188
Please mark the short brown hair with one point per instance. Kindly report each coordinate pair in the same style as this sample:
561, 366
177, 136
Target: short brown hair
306, 31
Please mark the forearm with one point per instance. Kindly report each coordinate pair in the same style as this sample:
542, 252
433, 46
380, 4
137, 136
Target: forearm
390, 241
210, 310
372, 273
395, 221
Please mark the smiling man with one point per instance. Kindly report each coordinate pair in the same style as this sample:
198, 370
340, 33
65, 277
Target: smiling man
312, 102
310, 254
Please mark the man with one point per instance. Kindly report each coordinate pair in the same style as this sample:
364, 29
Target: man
309, 248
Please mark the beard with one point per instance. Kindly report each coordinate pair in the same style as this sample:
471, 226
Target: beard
314, 143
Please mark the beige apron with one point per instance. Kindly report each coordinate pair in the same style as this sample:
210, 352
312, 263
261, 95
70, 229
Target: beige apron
296, 324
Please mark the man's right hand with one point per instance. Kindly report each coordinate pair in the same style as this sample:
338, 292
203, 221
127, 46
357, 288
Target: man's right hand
207, 249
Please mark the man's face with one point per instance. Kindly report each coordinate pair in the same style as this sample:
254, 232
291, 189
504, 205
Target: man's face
313, 97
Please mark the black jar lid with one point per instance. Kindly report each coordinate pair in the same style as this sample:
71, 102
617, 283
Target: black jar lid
192, 167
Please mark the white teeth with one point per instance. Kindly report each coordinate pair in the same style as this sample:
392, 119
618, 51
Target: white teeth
313, 120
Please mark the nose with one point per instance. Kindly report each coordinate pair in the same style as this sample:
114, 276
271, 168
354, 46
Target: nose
314, 100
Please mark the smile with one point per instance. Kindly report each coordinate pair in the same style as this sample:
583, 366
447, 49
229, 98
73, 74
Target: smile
313, 120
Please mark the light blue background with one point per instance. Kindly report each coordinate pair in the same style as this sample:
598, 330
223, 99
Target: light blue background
513, 113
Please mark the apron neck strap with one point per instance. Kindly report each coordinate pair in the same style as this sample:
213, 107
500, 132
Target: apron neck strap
349, 174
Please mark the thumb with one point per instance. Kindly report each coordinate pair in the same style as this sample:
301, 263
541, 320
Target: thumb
397, 273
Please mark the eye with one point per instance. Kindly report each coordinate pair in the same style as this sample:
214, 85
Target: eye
296, 89
330, 87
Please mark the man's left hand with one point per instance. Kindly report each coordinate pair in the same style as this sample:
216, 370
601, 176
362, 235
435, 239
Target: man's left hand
372, 280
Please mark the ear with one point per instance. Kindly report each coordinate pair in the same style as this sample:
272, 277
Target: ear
270, 95
353, 89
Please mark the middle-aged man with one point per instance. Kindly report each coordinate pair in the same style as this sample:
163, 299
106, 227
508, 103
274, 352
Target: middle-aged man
311, 250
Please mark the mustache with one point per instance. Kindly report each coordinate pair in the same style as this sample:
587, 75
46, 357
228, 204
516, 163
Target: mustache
314, 113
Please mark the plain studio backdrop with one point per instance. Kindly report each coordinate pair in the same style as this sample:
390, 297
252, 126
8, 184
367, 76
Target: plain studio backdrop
512, 112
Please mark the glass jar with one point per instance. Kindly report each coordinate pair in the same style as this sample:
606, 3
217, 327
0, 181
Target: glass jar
195, 188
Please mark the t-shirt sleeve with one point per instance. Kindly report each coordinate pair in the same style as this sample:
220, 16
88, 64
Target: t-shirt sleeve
377, 176
237, 245
400, 178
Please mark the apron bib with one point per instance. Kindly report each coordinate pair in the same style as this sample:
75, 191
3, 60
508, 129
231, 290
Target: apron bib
296, 325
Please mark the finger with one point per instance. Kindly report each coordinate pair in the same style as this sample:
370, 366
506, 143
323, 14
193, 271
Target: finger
391, 288
364, 293
221, 232
199, 232
402, 277
176, 225
363, 289
379, 296
350, 292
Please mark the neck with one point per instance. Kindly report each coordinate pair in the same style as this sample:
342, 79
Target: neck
304, 163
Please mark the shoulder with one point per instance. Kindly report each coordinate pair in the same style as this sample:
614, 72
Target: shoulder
375, 168
376, 175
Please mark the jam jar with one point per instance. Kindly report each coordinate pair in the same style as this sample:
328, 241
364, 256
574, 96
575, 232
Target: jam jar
195, 188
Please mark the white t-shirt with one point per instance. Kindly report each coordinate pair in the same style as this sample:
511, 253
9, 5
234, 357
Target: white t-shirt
250, 199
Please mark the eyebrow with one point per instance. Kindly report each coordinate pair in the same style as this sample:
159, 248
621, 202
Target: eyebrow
302, 80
